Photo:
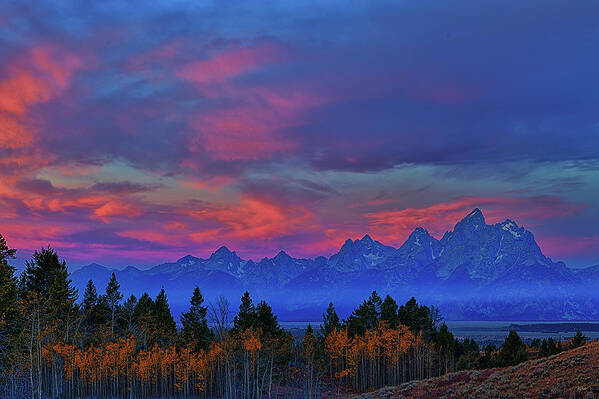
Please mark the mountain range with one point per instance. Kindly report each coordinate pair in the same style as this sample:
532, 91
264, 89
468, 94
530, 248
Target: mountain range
476, 271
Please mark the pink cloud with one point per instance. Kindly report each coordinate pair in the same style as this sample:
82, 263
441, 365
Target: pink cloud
40, 75
251, 218
252, 129
228, 64
113, 209
244, 133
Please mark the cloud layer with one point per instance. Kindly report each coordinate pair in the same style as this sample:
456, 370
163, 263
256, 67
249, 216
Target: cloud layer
138, 132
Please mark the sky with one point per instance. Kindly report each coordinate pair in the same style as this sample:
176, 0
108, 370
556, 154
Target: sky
133, 133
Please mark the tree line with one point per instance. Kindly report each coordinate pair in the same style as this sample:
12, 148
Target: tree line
54, 346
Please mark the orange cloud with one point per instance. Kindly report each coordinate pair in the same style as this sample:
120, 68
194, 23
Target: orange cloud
102, 207
116, 209
40, 75
252, 218
43, 74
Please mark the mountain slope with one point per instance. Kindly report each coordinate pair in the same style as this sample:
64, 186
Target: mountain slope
574, 373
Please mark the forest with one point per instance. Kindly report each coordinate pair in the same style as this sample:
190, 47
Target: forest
54, 344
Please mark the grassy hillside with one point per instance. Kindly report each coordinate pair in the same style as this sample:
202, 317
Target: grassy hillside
571, 374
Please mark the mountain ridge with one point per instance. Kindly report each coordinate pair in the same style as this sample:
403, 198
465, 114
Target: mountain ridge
474, 260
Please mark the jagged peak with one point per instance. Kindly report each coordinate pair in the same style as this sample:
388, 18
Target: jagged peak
416, 235
222, 251
476, 214
474, 218
282, 255
367, 238
419, 231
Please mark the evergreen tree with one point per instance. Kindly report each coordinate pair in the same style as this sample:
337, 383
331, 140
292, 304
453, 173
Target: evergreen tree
446, 344
444, 339
577, 340
143, 320
89, 308
513, 351
164, 326
549, 347
467, 353
266, 319
113, 298
8, 304
487, 360
195, 326
544, 349
8, 285
126, 320
330, 321
90, 297
366, 316
417, 318
246, 317
48, 277
389, 312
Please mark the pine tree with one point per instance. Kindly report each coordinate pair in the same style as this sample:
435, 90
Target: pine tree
577, 340
165, 328
246, 317
366, 316
113, 297
143, 319
8, 304
90, 314
445, 343
513, 350
90, 297
48, 277
8, 284
126, 320
389, 312
330, 321
266, 319
195, 325
418, 318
